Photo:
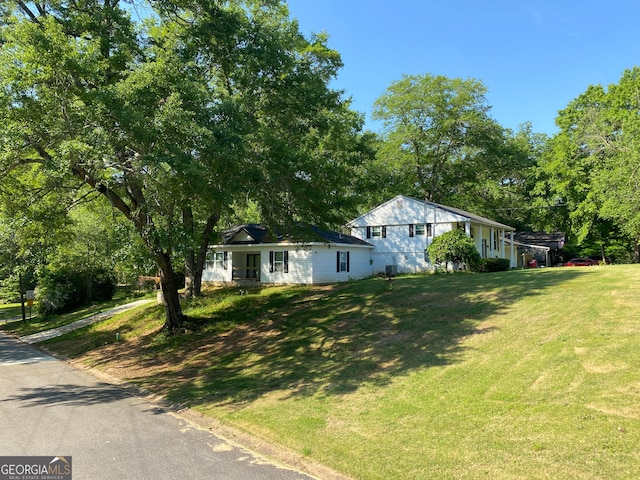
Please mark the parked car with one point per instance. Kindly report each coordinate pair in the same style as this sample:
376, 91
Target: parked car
580, 262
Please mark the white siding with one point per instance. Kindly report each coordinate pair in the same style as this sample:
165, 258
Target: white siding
325, 263
399, 248
407, 253
308, 264
218, 275
299, 270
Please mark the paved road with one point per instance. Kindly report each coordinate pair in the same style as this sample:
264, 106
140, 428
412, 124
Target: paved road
48, 408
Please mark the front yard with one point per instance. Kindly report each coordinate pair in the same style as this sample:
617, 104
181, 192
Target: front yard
521, 374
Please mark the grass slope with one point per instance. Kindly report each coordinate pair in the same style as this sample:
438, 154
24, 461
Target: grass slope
521, 374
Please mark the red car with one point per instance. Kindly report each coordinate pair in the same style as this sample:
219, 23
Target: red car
580, 262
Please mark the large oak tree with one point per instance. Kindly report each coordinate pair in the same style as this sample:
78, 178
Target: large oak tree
175, 118
439, 142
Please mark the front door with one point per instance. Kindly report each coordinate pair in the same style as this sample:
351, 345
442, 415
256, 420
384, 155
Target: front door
253, 266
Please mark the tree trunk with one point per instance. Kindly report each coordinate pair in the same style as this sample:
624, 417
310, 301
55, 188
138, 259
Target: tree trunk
636, 252
190, 289
197, 277
20, 287
201, 259
174, 317
190, 256
194, 265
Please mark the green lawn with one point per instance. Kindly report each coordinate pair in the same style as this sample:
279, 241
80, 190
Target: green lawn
36, 322
522, 374
11, 312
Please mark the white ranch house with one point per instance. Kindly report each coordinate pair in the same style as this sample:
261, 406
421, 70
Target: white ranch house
250, 254
402, 228
392, 236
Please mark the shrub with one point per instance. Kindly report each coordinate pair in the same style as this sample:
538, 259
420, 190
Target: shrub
104, 285
64, 289
455, 247
60, 290
494, 265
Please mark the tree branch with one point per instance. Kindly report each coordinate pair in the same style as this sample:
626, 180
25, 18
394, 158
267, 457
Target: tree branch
27, 11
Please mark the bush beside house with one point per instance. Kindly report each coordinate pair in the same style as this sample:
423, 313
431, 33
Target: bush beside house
454, 247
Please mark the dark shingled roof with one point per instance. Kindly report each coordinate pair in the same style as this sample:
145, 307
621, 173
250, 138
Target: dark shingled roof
551, 240
330, 236
308, 233
259, 234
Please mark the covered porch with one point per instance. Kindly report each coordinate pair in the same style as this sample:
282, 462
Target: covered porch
245, 267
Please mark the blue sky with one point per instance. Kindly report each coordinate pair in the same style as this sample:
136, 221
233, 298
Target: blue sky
534, 56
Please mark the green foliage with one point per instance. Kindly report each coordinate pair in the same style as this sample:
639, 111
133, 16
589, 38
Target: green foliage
176, 119
498, 184
60, 291
434, 128
493, 265
440, 143
454, 247
591, 165
65, 289
103, 285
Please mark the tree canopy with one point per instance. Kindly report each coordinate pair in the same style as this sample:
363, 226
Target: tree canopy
434, 127
175, 118
591, 166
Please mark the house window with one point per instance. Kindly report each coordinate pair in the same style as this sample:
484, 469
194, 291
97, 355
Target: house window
342, 261
419, 229
377, 231
217, 261
279, 261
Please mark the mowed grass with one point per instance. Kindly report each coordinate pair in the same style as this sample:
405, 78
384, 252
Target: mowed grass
36, 322
522, 374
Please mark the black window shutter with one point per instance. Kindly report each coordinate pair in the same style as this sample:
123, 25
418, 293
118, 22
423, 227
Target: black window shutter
271, 261
286, 261
348, 261
338, 262
384, 231
411, 229
226, 257
368, 232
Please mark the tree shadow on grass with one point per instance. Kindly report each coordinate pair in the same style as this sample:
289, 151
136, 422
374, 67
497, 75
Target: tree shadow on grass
332, 343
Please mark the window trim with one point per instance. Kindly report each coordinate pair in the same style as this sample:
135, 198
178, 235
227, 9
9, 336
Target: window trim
343, 261
274, 262
377, 231
218, 260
